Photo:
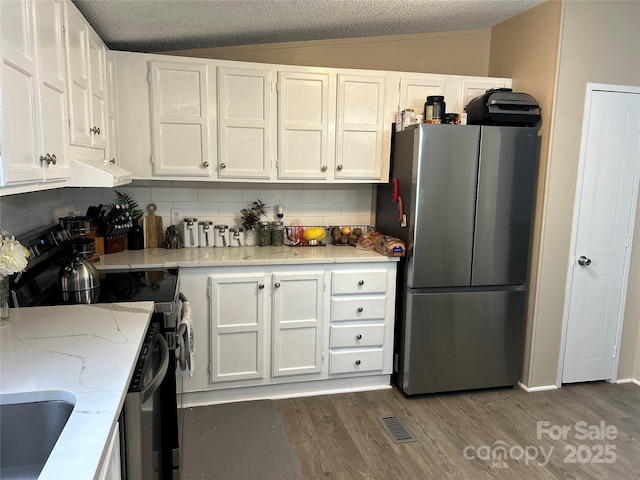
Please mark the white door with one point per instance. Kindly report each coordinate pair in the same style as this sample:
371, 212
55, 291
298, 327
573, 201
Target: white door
414, 91
303, 125
604, 228
297, 323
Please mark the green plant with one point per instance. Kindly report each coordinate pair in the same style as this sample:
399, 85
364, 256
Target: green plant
252, 214
132, 205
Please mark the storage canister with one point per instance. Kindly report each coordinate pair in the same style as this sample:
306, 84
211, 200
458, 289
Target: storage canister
264, 234
221, 236
205, 234
236, 237
277, 234
190, 232
434, 109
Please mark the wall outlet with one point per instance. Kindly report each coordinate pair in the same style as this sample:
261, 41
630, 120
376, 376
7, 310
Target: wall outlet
176, 216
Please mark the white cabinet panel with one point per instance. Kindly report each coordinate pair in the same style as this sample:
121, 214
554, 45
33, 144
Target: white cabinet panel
303, 125
415, 90
97, 58
237, 326
356, 361
180, 119
297, 324
245, 123
359, 126
357, 308
359, 282
474, 87
350, 336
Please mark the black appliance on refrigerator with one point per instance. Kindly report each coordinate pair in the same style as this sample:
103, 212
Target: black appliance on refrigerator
461, 197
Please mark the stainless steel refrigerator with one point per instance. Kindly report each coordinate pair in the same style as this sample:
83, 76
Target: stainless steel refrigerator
461, 197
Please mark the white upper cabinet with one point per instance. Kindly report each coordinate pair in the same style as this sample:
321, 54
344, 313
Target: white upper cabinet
245, 123
112, 110
363, 127
180, 115
87, 79
474, 87
33, 94
415, 89
304, 109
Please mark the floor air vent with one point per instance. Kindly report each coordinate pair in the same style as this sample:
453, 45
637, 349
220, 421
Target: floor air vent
396, 430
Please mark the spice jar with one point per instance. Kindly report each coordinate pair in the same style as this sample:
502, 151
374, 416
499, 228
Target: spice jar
221, 236
264, 234
277, 233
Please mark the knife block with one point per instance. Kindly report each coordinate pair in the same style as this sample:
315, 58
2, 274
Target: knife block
114, 244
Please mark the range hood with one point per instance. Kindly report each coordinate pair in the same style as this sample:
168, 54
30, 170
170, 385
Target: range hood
97, 173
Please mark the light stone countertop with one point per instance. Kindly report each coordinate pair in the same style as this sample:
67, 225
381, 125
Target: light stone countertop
84, 353
238, 256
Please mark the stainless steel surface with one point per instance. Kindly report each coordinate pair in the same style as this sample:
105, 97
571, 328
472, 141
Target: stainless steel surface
462, 340
506, 179
584, 261
339, 167
205, 164
79, 282
323, 168
28, 433
223, 166
158, 377
444, 189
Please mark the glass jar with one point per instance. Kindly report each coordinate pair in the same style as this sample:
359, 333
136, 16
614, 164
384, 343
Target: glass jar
250, 236
264, 234
277, 233
434, 109
236, 237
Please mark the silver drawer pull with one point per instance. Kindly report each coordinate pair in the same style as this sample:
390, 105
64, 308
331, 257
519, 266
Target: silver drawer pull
358, 337
360, 309
357, 362
361, 282
277, 284
261, 286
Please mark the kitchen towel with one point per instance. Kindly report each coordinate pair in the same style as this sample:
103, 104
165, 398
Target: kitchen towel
185, 340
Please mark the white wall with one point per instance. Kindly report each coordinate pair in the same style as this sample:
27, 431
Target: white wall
28, 211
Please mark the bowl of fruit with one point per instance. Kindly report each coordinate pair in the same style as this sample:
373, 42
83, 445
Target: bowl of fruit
299, 236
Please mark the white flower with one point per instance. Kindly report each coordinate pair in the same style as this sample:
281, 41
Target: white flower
13, 256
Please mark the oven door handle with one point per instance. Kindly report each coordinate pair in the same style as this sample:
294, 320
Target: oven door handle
150, 389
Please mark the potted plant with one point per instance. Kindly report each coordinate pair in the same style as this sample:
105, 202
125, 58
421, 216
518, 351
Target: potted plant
249, 217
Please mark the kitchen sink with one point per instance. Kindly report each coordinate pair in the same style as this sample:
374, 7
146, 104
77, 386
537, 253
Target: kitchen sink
30, 425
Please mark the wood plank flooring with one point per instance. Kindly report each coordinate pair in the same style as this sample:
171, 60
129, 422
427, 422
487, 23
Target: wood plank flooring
340, 436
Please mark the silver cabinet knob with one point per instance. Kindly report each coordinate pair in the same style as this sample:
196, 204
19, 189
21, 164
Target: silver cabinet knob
205, 164
95, 130
357, 362
277, 284
360, 309
112, 161
361, 282
323, 168
223, 166
339, 167
45, 159
584, 261
261, 286
54, 160
358, 337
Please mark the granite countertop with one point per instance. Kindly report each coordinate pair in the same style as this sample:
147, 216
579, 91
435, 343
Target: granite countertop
238, 256
82, 353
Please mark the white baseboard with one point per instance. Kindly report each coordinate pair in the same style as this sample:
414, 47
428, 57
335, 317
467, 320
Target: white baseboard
636, 381
624, 380
543, 388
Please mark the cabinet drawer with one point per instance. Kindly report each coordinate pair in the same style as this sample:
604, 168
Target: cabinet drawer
363, 308
357, 335
355, 361
374, 281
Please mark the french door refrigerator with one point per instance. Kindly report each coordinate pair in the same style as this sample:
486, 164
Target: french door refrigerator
461, 197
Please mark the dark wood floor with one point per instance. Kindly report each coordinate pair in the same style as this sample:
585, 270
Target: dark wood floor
340, 436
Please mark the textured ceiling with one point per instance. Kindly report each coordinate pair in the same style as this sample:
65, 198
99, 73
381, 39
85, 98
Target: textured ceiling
162, 25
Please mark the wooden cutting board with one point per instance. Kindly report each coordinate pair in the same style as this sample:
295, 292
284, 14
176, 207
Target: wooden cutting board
152, 228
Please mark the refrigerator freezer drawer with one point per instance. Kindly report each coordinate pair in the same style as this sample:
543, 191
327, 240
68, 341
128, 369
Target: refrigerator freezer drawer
462, 341
349, 336
358, 308
354, 361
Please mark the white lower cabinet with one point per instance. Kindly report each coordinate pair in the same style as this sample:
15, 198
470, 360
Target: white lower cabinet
264, 331
111, 468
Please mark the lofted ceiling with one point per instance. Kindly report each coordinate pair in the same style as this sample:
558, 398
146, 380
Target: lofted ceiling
163, 25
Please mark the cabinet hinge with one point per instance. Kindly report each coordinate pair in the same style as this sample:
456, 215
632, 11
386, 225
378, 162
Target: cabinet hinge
626, 242
153, 159
69, 121
278, 164
209, 291
149, 78
278, 87
615, 349
209, 368
322, 358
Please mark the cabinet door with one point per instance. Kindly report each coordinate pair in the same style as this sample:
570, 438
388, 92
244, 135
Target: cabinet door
79, 80
471, 88
297, 323
245, 124
237, 327
53, 87
303, 124
112, 130
20, 103
98, 83
359, 127
415, 90
180, 119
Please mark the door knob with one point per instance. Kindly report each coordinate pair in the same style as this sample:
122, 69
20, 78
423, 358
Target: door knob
584, 261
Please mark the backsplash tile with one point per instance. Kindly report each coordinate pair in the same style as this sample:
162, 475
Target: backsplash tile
310, 204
